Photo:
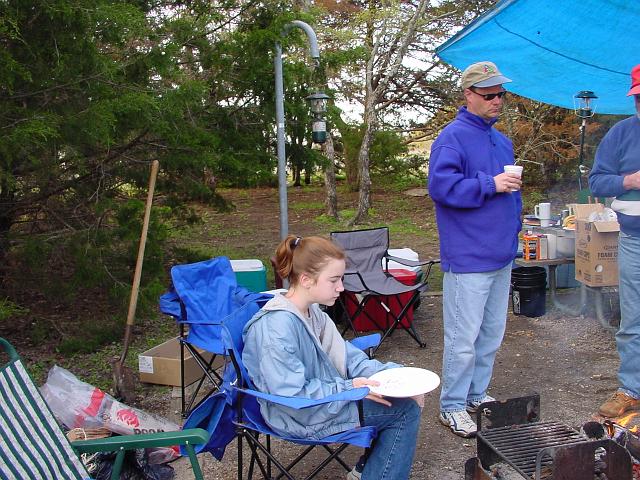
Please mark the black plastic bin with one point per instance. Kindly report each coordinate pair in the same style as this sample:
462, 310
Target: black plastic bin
528, 291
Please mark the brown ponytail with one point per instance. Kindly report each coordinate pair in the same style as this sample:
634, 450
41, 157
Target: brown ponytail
296, 255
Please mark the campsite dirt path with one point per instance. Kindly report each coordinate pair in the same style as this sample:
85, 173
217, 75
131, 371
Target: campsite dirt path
570, 361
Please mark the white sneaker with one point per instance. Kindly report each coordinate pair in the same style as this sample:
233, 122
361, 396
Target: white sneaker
354, 474
472, 407
460, 423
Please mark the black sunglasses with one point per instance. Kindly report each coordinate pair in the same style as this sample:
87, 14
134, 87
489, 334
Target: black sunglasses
489, 96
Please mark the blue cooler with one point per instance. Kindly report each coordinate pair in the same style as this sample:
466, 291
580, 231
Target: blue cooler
251, 274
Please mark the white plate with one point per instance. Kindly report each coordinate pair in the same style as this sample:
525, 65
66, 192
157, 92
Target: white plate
404, 382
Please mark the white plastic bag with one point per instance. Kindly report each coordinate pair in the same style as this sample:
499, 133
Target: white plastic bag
79, 405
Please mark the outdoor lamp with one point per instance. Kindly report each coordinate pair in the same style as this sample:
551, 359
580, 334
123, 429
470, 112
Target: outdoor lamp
318, 103
584, 103
584, 106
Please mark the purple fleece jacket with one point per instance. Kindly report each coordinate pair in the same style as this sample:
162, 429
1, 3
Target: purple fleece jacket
478, 227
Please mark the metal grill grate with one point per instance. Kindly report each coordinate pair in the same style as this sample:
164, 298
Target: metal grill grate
509, 432
519, 445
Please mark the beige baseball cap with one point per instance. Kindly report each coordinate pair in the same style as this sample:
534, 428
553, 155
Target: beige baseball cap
482, 74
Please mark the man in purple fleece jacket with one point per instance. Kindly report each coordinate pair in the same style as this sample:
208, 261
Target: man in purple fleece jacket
478, 210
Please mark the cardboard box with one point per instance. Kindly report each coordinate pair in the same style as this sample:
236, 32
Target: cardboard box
161, 364
596, 259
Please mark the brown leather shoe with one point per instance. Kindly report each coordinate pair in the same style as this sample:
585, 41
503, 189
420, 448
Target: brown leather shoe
618, 404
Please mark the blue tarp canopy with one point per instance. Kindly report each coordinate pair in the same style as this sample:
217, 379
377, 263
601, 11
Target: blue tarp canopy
552, 49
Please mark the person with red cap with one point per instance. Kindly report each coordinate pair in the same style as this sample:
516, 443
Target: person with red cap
616, 173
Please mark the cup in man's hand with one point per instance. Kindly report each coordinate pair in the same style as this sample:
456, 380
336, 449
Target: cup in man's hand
514, 169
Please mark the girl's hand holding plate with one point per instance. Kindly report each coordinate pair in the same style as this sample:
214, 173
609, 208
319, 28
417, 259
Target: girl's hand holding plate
376, 397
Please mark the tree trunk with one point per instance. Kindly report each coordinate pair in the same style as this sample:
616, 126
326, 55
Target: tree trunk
6, 221
351, 171
364, 196
330, 178
370, 101
296, 175
388, 62
308, 171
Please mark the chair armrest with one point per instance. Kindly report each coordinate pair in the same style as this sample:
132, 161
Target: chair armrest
356, 272
366, 341
405, 261
431, 263
299, 402
121, 443
194, 436
410, 263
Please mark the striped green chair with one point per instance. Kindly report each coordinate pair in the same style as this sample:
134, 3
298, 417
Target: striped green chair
34, 446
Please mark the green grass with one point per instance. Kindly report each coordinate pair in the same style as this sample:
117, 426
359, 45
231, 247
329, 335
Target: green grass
400, 183
10, 309
404, 226
300, 205
330, 223
90, 335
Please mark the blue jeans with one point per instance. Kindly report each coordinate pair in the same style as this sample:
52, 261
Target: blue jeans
628, 335
391, 454
475, 316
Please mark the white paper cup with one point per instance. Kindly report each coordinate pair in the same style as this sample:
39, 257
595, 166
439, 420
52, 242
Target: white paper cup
516, 169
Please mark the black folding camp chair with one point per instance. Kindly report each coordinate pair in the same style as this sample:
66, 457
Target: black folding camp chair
368, 284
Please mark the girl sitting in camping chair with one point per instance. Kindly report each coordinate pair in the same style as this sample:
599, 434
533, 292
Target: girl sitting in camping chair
292, 348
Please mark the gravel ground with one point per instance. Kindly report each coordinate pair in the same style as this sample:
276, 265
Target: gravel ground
570, 361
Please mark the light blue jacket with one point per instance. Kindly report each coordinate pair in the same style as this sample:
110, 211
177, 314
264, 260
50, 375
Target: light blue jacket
284, 357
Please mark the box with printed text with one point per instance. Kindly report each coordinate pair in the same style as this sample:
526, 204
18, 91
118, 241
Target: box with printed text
596, 259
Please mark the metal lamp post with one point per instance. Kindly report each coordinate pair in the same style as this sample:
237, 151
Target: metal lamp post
584, 106
282, 163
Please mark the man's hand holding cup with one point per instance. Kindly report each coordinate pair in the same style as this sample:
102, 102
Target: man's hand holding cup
510, 180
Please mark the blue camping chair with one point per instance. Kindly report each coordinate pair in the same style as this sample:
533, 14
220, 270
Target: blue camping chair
233, 412
201, 295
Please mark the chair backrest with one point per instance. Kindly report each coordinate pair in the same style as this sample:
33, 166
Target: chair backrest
202, 294
217, 413
36, 447
232, 328
364, 248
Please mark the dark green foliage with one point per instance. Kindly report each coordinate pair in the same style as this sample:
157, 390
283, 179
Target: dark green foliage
388, 155
90, 93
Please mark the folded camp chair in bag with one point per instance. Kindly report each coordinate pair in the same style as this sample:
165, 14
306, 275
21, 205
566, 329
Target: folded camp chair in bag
201, 295
35, 447
367, 281
250, 426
